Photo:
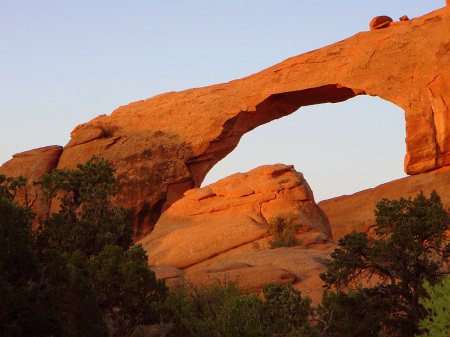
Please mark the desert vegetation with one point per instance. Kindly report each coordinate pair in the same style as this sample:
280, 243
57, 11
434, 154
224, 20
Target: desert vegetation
79, 273
282, 228
409, 249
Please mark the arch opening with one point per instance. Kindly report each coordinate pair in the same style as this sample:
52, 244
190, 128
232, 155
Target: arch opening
340, 148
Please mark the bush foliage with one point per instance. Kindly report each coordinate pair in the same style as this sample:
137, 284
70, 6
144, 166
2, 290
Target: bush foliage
437, 304
282, 228
222, 309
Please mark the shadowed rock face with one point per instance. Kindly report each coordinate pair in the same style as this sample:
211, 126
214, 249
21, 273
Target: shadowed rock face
166, 145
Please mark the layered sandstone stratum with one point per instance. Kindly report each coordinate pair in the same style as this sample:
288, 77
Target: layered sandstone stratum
163, 147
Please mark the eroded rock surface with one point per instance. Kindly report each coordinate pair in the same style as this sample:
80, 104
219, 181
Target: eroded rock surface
231, 213
165, 145
254, 269
355, 211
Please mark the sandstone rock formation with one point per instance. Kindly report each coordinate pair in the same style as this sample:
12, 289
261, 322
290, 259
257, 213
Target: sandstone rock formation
231, 213
32, 164
165, 145
220, 231
252, 265
355, 211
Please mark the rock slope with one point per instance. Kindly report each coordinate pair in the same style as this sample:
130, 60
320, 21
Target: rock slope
355, 211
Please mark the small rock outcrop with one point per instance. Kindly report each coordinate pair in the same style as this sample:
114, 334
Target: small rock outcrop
32, 164
355, 211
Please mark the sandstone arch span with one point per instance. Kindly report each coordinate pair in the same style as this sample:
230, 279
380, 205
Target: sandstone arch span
340, 148
165, 145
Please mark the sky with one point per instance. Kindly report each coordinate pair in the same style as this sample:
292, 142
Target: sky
63, 63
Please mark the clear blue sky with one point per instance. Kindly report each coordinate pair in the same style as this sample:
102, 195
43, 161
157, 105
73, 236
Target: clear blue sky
62, 63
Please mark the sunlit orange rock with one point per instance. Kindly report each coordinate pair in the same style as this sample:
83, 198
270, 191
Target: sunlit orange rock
165, 145
253, 269
219, 232
356, 211
32, 164
231, 213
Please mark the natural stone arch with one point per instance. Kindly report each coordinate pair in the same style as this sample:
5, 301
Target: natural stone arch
165, 145
273, 107
340, 148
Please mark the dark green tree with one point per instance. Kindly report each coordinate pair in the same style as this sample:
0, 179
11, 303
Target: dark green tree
286, 312
79, 275
86, 220
127, 291
222, 309
410, 247
96, 238
18, 266
217, 309
9, 186
38, 296
353, 314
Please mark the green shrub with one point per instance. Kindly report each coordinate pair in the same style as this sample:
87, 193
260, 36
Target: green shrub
283, 228
437, 323
222, 309
286, 312
217, 309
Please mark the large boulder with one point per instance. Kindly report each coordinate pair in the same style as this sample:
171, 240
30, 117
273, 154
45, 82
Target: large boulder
232, 213
219, 232
356, 211
165, 145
